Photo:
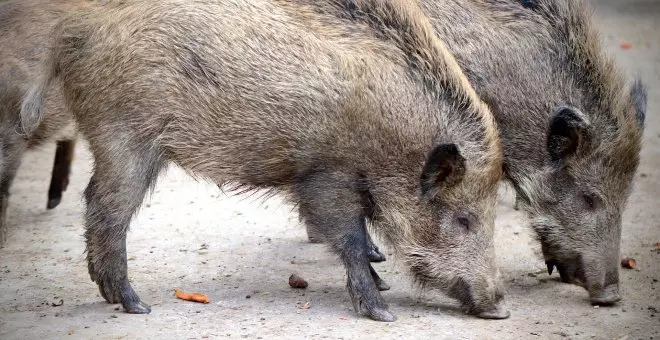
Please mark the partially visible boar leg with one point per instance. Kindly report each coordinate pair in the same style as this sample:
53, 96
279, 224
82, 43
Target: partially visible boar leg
61, 169
373, 253
516, 205
361, 284
114, 193
380, 283
333, 205
313, 235
11, 159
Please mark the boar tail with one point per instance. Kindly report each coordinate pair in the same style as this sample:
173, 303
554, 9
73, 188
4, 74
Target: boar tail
33, 102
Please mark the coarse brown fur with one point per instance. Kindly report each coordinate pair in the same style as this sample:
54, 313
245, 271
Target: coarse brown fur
354, 117
570, 125
24, 29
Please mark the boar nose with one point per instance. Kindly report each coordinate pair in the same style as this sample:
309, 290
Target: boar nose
608, 296
498, 313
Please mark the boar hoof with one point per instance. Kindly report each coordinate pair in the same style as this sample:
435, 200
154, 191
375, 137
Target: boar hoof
375, 255
382, 315
377, 311
53, 202
379, 314
123, 293
3, 236
138, 307
382, 285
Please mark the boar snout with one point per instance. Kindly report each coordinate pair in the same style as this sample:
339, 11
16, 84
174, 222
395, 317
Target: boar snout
605, 297
482, 298
499, 313
602, 280
602, 285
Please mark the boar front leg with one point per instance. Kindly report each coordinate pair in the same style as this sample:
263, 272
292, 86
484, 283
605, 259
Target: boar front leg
122, 176
59, 180
332, 204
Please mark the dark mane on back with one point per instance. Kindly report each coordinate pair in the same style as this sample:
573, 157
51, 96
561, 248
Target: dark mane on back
577, 42
620, 111
405, 24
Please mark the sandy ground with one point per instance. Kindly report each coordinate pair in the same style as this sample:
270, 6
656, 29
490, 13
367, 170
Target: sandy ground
240, 251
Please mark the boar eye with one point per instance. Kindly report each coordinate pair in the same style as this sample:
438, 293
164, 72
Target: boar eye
592, 201
465, 221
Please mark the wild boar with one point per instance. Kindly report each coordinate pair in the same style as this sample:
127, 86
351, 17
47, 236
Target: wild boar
356, 119
570, 123
23, 43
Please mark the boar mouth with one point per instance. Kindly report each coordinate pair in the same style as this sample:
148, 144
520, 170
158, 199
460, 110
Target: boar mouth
603, 290
570, 268
570, 271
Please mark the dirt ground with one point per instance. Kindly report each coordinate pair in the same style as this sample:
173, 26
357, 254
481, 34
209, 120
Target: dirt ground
241, 250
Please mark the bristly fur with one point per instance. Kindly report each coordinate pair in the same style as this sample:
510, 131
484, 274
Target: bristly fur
336, 109
23, 43
527, 59
405, 23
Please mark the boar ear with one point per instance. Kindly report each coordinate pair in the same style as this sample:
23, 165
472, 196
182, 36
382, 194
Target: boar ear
444, 167
531, 4
638, 97
566, 132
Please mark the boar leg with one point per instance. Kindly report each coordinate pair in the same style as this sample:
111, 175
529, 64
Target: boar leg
333, 206
11, 158
315, 236
380, 283
516, 205
116, 190
361, 285
59, 180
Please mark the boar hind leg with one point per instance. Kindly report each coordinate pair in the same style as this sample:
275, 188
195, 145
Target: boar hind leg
516, 204
313, 235
122, 176
11, 159
59, 180
332, 204
316, 236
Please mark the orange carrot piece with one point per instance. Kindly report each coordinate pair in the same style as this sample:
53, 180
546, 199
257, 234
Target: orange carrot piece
195, 297
626, 45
